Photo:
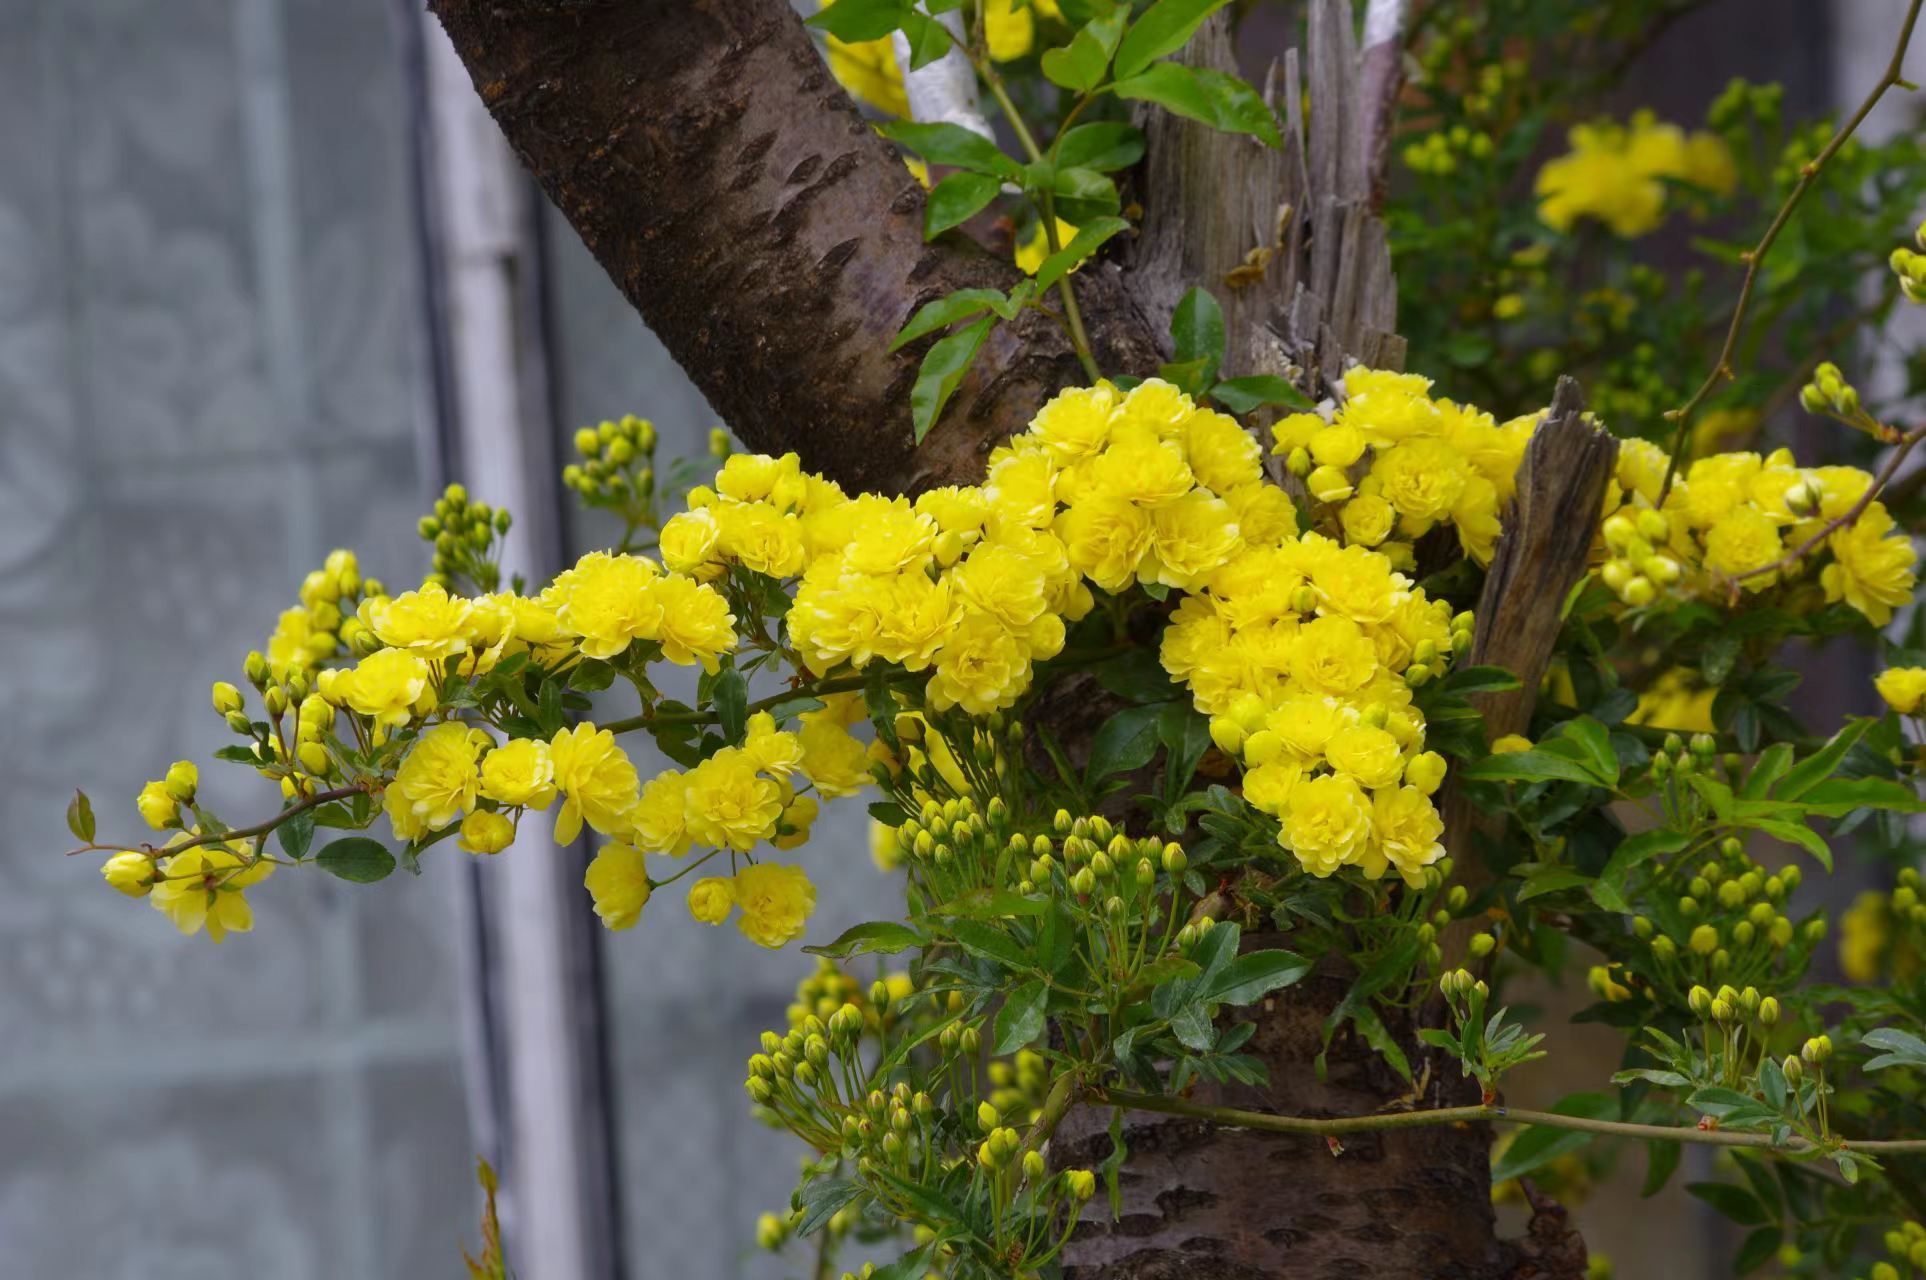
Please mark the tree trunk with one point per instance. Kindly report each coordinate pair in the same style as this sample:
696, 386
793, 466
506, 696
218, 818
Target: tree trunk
765, 232
773, 242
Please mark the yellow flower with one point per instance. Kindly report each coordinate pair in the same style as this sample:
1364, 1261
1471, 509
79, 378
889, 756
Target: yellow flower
1369, 755
1223, 455
203, 887
981, 667
1422, 479
792, 828
660, 816
1106, 538
1034, 248
711, 899
1510, 742
485, 832
1337, 446
1743, 540
429, 623
158, 807
776, 903
1870, 571
916, 616
1367, 520
618, 881
1143, 470
836, 762
131, 873
1425, 772
1332, 655
1011, 31
1903, 688
760, 538
608, 601
519, 772
1265, 516
1617, 174
1406, 826
1326, 823
1357, 583
728, 805
389, 686
758, 477
297, 644
696, 622
437, 781
869, 71
769, 749
1075, 424
688, 541
1865, 932
1190, 538
596, 777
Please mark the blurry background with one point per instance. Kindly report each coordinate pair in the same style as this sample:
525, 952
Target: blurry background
267, 280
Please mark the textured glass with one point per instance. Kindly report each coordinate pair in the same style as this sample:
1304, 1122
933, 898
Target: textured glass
208, 377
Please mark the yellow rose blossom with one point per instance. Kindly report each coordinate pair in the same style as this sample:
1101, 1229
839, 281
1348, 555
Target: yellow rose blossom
660, 816
833, 760
711, 899
727, 805
1332, 655
776, 903
771, 750
1367, 520
1264, 514
1075, 424
1223, 455
793, 826
689, 541
1617, 173
595, 776
389, 686
1422, 479
1405, 827
485, 832
760, 538
429, 622
1871, 571
916, 616
204, 887
696, 623
1190, 538
1326, 823
437, 781
518, 773
981, 668
607, 601
1143, 470
1743, 540
1903, 688
618, 881
1369, 755
758, 477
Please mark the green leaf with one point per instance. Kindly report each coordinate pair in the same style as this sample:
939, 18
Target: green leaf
1836, 797
1254, 975
1079, 65
990, 944
730, 693
1661, 1161
1528, 766
1083, 194
1795, 833
1197, 328
824, 1198
1590, 743
859, 20
941, 372
1768, 769
1210, 97
993, 904
1733, 1202
1732, 1109
1758, 1248
296, 834
956, 199
1552, 880
1901, 1048
928, 39
1020, 1020
1088, 239
874, 935
1539, 1145
946, 311
356, 858
1105, 146
80, 817
1191, 1025
1379, 1037
1633, 852
1112, 1163
1482, 679
1241, 395
1164, 29
951, 144
1126, 741
1821, 764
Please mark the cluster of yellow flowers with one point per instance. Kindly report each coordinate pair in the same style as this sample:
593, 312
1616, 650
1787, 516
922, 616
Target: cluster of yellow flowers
1394, 461
1734, 517
1617, 173
325, 621
1910, 267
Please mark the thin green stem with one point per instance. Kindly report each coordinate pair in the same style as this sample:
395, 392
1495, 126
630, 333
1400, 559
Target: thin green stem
1336, 1125
649, 719
1722, 368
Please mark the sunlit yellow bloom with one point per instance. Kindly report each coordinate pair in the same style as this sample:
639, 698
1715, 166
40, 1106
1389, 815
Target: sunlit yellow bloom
1617, 173
776, 903
618, 881
157, 806
390, 686
696, 623
712, 898
595, 776
437, 781
131, 873
429, 623
1326, 823
1406, 828
203, 887
519, 772
608, 601
833, 760
728, 805
485, 832
1903, 688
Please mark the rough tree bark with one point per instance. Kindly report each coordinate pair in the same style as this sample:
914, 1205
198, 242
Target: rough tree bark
773, 242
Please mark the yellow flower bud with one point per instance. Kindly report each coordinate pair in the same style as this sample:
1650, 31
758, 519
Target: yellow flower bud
157, 806
1329, 484
226, 697
1081, 1183
131, 873
1425, 771
182, 780
485, 832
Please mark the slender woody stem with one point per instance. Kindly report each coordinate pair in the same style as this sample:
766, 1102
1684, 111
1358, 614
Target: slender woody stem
1722, 368
1336, 1125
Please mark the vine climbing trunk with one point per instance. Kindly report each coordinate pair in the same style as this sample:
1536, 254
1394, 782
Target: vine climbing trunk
774, 243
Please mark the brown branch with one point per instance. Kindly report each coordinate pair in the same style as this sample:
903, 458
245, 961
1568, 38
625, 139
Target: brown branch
765, 232
1722, 367
237, 833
